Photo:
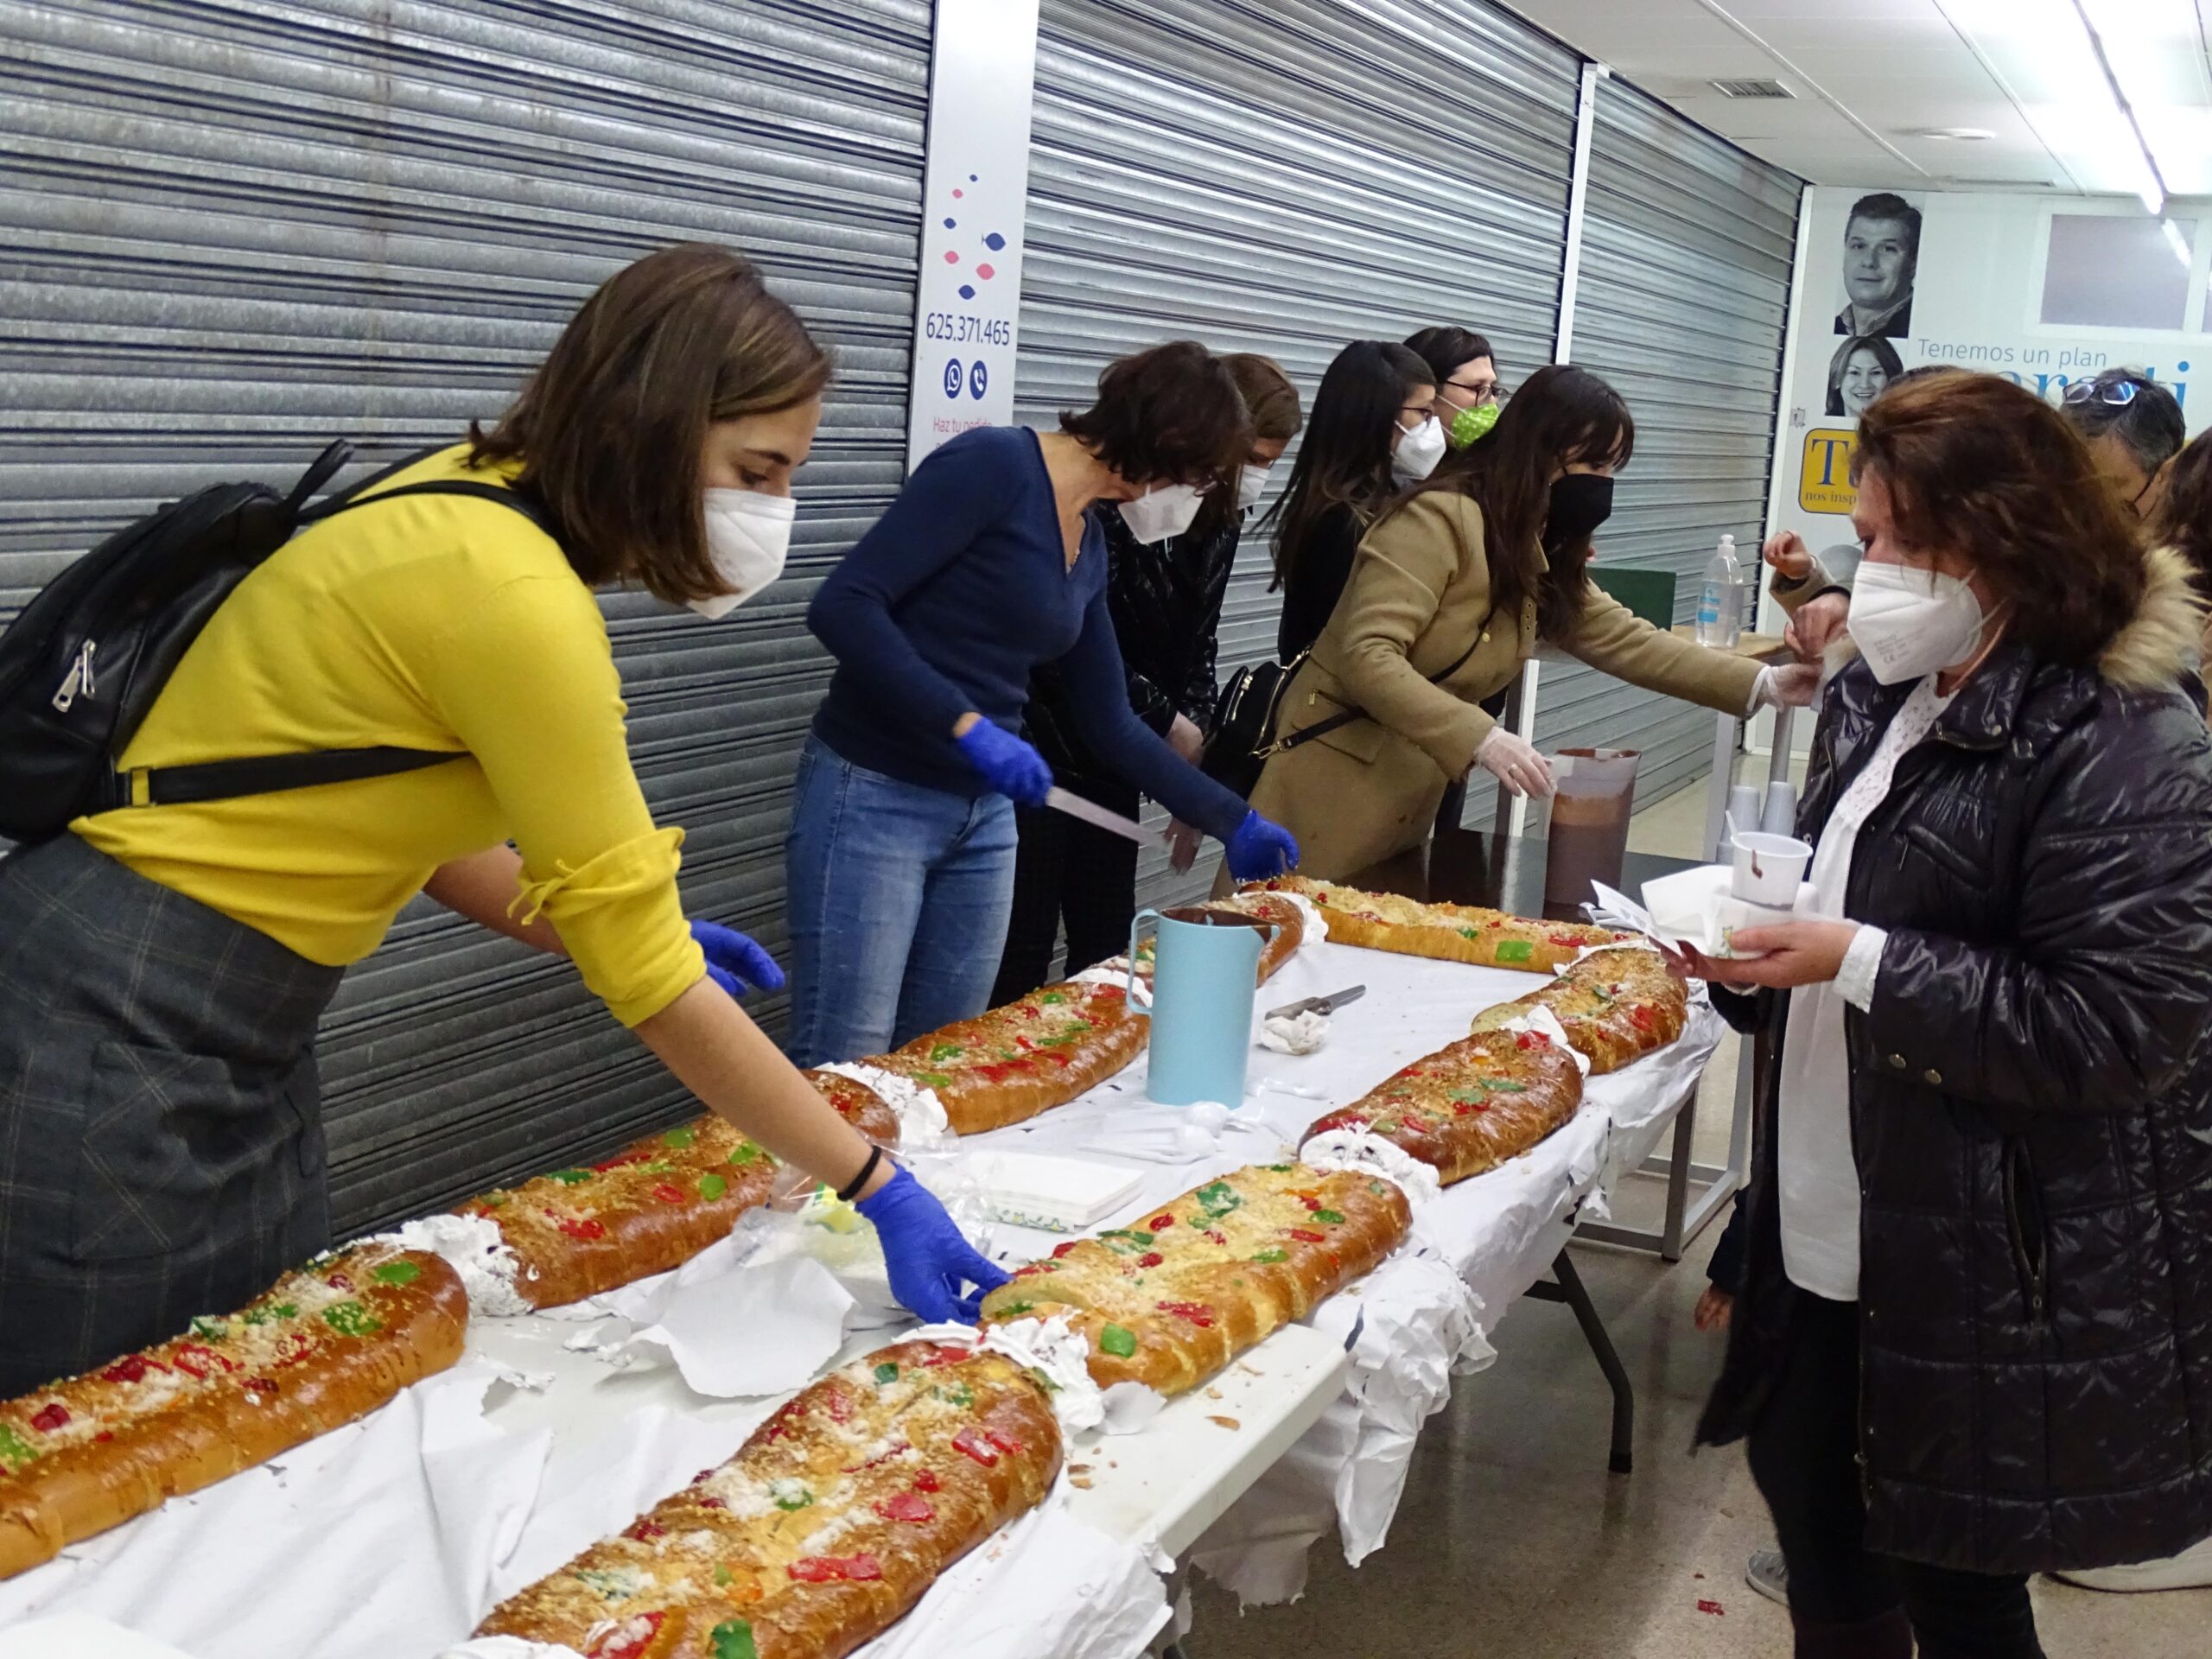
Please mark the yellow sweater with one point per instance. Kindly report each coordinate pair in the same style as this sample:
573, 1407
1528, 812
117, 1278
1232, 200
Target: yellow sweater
434, 622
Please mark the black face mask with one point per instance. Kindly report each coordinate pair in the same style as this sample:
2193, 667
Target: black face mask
1580, 502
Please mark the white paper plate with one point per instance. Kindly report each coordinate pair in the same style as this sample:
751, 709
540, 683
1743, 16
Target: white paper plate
1059, 1195
1695, 907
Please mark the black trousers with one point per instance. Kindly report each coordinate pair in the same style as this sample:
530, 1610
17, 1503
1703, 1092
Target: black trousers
1804, 1457
1066, 872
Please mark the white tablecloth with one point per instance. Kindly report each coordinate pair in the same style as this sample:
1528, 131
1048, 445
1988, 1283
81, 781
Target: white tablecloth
392, 1538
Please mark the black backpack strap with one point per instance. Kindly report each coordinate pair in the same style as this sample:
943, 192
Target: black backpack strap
513, 501
1345, 717
220, 780
319, 472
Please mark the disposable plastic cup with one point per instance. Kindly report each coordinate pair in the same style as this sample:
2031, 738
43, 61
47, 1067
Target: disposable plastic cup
1590, 817
1769, 869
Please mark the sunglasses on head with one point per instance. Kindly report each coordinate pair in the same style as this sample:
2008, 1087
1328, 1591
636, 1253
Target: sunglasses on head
2118, 393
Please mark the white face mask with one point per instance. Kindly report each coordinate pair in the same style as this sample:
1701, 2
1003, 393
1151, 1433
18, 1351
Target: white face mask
1909, 623
1251, 484
1163, 511
1419, 451
748, 534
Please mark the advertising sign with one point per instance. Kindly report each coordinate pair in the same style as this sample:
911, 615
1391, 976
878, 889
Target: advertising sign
975, 195
2043, 292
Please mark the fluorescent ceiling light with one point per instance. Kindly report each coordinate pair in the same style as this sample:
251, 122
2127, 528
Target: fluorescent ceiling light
2085, 74
2179, 244
2131, 38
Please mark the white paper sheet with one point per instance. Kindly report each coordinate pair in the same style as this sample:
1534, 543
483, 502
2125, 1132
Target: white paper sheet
602, 1485
747, 1330
81, 1636
1047, 1587
376, 1540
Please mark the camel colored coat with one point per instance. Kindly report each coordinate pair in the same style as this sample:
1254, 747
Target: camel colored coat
1419, 594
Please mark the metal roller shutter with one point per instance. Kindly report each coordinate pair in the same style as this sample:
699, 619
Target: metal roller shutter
1687, 244
236, 230
1284, 178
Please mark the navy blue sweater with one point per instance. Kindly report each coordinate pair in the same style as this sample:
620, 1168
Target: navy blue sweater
946, 604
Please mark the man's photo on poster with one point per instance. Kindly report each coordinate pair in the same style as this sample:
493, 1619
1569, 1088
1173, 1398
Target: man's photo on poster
1881, 251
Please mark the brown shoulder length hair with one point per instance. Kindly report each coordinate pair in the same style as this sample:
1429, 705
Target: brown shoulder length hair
610, 429
1979, 466
1171, 415
1561, 413
1277, 417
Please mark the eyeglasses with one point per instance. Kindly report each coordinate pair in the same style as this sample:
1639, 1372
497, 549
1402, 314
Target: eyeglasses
1475, 395
2119, 393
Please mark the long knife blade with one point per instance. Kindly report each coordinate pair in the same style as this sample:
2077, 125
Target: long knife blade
1328, 1004
1075, 806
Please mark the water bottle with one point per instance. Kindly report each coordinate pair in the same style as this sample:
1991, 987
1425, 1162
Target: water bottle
1720, 601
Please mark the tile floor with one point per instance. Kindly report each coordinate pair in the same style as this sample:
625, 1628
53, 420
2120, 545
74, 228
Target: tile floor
1514, 1540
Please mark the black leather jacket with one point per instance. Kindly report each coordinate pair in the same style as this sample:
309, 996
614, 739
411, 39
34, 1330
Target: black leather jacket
1165, 598
2031, 1117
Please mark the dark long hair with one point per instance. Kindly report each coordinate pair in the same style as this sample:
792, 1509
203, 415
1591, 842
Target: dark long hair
1976, 465
1345, 458
2184, 520
1561, 413
610, 429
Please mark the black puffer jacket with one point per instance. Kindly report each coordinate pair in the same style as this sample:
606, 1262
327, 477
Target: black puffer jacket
2032, 1115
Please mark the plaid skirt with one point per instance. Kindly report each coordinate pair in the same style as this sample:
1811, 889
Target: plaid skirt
161, 1129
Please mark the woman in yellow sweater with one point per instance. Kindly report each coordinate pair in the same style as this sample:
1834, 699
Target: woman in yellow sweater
163, 966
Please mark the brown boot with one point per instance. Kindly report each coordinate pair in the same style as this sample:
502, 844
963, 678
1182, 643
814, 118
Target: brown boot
1886, 1636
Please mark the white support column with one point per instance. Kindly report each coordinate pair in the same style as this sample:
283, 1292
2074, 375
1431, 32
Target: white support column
1759, 738
1578, 202
1570, 280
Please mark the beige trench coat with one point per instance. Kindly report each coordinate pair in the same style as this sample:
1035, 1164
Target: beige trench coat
1420, 594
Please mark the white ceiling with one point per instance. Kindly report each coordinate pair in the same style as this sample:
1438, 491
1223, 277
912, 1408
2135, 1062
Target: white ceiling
1869, 75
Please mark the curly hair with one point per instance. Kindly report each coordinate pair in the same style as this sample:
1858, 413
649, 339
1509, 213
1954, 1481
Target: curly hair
1979, 466
1172, 414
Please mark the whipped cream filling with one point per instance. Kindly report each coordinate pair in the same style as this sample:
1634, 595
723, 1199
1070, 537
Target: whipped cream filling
472, 1247
923, 1122
1542, 1022
1370, 1155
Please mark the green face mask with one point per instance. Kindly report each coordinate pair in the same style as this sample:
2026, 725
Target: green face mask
1470, 424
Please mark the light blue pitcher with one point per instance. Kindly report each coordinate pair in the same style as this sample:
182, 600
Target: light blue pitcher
1206, 966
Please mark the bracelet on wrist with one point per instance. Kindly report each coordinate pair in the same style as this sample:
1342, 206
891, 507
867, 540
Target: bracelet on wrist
851, 1189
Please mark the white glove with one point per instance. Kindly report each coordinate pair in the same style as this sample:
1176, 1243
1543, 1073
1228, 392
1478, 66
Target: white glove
1513, 760
1792, 685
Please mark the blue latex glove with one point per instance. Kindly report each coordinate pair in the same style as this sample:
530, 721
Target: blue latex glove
734, 962
1261, 848
928, 1256
1008, 764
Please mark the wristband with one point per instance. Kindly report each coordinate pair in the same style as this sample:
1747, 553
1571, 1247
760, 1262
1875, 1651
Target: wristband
851, 1189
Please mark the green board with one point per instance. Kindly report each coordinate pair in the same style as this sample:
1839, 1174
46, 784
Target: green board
1649, 593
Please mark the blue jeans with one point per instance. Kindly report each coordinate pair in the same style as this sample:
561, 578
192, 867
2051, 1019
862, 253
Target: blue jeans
899, 902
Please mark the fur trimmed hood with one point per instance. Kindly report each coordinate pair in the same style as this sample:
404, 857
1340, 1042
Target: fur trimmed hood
2166, 635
